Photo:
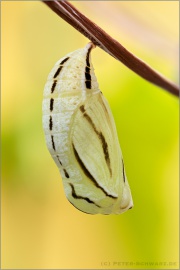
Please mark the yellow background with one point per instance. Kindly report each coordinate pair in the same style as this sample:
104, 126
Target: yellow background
40, 228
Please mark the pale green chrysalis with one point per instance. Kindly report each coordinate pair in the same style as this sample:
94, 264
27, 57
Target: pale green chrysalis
82, 139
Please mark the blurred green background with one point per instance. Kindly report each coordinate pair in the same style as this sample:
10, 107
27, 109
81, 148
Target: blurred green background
40, 228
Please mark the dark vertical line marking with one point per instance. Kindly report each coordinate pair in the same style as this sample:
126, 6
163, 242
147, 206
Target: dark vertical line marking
63, 61
124, 177
53, 86
66, 174
59, 160
57, 71
87, 70
51, 104
82, 108
60, 67
105, 150
53, 144
50, 122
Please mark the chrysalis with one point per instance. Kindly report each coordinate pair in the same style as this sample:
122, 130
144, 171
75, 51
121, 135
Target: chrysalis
82, 139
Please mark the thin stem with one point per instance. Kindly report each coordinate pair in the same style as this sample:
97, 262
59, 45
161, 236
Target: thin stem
100, 38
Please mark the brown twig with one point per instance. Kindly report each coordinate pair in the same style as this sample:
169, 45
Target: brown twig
100, 38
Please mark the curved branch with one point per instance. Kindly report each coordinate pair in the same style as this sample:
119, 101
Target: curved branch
100, 38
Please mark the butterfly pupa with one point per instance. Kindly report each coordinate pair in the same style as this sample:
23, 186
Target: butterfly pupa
82, 139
